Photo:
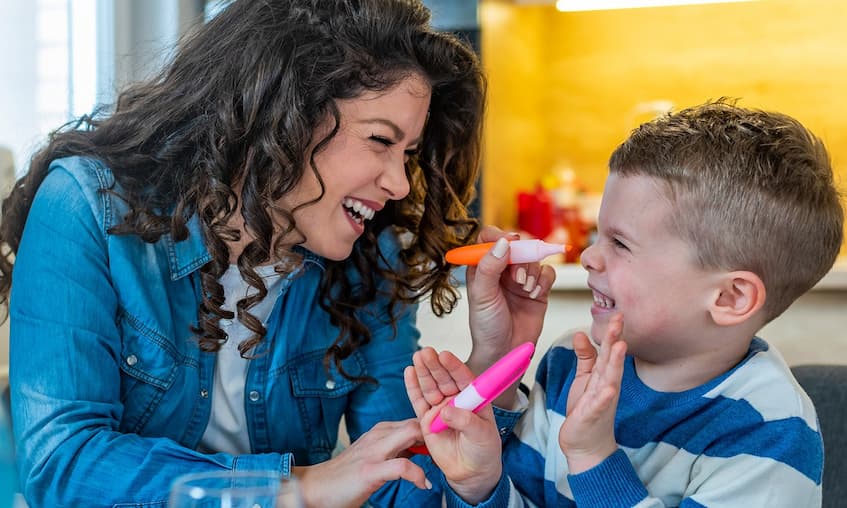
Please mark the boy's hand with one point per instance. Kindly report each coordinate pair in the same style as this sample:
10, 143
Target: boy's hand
468, 452
587, 436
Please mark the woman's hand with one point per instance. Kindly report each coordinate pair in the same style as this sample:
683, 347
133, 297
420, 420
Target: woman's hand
349, 479
506, 304
587, 437
468, 451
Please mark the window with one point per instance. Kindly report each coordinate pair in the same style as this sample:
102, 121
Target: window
49, 74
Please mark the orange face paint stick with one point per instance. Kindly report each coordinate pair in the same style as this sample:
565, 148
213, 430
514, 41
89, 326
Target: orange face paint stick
520, 251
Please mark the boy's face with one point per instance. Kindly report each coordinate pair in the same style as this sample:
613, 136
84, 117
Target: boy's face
639, 267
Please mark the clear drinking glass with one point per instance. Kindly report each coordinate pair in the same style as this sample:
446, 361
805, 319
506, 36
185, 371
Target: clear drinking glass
235, 489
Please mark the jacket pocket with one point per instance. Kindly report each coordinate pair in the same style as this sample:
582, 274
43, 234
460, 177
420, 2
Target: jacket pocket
148, 369
322, 399
310, 379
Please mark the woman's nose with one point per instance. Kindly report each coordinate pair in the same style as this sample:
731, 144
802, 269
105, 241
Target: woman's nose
394, 180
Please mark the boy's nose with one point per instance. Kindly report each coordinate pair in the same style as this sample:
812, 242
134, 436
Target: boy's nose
590, 258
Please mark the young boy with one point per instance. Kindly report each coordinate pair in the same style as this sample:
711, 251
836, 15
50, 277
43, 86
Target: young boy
713, 221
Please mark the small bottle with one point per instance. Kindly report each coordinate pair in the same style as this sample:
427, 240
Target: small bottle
535, 212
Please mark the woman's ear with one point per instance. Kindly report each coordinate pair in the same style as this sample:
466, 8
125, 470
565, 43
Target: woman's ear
741, 296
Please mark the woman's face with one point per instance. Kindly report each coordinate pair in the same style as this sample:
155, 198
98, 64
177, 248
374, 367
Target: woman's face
362, 167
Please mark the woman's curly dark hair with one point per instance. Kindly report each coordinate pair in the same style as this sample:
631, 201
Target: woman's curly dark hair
240, 103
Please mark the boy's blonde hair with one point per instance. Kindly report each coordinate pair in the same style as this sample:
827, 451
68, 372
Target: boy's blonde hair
753, 190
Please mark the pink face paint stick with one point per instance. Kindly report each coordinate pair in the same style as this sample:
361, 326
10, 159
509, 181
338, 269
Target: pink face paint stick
491, 383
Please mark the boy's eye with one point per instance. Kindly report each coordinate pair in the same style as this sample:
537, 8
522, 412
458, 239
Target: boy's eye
618, 244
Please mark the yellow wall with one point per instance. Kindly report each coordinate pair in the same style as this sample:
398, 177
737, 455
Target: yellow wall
568, 87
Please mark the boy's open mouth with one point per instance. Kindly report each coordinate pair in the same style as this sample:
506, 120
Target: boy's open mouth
602, 300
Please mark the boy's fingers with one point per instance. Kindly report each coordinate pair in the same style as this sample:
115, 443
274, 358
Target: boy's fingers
459, 372
441, 372
465, 421
586, 355
413, 390
613, 333
610, 380
428, 384
616, 363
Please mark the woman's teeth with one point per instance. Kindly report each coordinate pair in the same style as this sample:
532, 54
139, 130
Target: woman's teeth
359, 211
602, 300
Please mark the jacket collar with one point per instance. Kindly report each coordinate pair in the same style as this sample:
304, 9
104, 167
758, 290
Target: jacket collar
190, 254
187, 255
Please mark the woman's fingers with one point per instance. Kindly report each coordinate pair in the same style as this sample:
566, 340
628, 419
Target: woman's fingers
373, 459
487, 273
388, 440
390, 437
546, 278
395, 469
491, 233
534, 279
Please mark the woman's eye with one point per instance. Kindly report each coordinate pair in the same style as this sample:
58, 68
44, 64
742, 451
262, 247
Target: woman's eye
412, 152
383, 141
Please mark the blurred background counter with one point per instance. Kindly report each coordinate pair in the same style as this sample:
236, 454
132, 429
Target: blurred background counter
813, 330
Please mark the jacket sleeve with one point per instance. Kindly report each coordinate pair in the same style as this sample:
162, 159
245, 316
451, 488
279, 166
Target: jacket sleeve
65, 349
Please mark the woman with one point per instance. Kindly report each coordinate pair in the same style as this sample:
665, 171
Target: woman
215, 273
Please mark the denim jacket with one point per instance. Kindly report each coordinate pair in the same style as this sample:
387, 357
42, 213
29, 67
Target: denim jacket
110, 391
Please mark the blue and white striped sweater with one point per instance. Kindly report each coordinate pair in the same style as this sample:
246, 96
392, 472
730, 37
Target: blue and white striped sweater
748, 438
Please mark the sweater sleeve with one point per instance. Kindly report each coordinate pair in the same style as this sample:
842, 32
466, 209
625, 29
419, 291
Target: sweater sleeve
749, 441
716, 480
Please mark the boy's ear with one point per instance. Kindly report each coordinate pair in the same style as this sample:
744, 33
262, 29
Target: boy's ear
740, 296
